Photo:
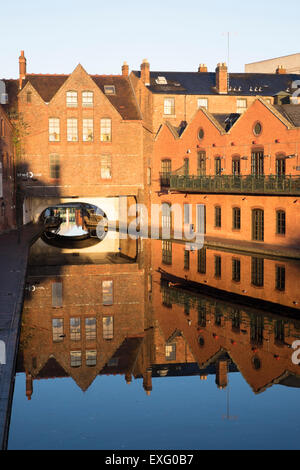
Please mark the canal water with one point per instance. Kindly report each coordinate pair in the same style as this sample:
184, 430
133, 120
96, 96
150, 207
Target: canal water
150, 345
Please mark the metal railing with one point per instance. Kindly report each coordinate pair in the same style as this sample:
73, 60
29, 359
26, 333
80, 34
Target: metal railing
248, 184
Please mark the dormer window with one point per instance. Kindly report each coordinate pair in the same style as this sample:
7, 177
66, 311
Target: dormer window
72, 99
161, 81
109, 89
87, 99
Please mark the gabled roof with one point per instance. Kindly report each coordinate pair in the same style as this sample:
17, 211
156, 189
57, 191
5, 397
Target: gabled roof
204, 83
291, 112
48, 85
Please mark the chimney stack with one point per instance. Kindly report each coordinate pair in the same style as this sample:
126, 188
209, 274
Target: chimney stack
280, 70
145, 72
125, 69
221, 374
22, 68
202, 68
222, 78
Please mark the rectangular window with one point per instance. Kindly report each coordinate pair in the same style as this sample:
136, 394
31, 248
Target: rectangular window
218, 166
257, 164
171, 352
57, 329
218, 218
54, 166
166, 252
186, 259
258, 225
107, 292
169, 106
108, 327
105, 167
241, 105
90, 328
75, 357
87, 99
91, 358
236, 166
87, 130
236, 270
72, 130
236, 218
280, 277
280, 222
75, 329
186, 166
257, 271
109, 89
54, 130
201, 170
57, 295
105, 130
203, 103
218, 266
72, 99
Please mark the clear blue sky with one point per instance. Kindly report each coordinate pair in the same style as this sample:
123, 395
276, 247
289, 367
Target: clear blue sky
173, 35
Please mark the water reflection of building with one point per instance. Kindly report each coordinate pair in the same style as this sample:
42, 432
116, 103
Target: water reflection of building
122, 317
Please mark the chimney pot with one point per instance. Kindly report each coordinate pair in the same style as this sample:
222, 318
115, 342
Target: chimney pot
280, 70
202, 68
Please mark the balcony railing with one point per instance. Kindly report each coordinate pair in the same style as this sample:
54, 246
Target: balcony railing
249, 184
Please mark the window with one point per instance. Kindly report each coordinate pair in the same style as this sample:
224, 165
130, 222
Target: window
54, 166
280, 277
202, 103
166, 168
170, 352
169, 106
54, 130
257, 128
236, 166
258, 225
235, 319
256, 329
105, 130
202, 261
108, 327
186, 259
186, 167
57, 329
75, 329
87, 99
280, 167
72, 130
241, 105
186, 213
72, 99
280, 222
166, 252
218, 167
75, 358
217, 266
166, 219
218, 316
87, 130
90, 328
257, 271
236, 270
218, 220
109, 89
91, 358
236, 218
201, 169
201, 314
28, 96
105, 167
257, 164
279, 333
107, 292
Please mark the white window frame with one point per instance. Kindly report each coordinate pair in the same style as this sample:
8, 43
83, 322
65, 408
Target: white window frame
169, 106
54, 130
71, 99
72, 130
87, 130
87, 99
105, 130
241, 108
204, 102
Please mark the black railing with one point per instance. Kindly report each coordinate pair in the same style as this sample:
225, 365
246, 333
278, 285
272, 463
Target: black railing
249, 184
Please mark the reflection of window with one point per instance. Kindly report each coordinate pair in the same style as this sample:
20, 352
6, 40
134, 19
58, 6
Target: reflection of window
87, 130
56, 294
107, 292
87, 99
186, 213
170, 352
72, 130
57, 329
54, 166
169, 106
75, 358
105, 167
201, 314
257, 271
257, 329
236, 270
90, 328
75, 329
202, 261
113, 362
166, 252
217, 266
72, 99
108, 327
54, 131
91, 358
105, 130
166, 215
186, 259
280, 278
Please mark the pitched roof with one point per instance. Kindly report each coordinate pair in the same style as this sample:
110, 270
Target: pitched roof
48, 85
204, 83
291, 112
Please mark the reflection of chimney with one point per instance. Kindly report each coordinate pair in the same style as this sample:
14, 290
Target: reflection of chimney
29, 386
221, 374
125, 69
222, 78
280, 70
128, 378
22, 69
202, 68
145, 72
147, 381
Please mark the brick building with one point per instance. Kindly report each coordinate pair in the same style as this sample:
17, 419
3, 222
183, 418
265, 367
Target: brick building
244, 170
7, 174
